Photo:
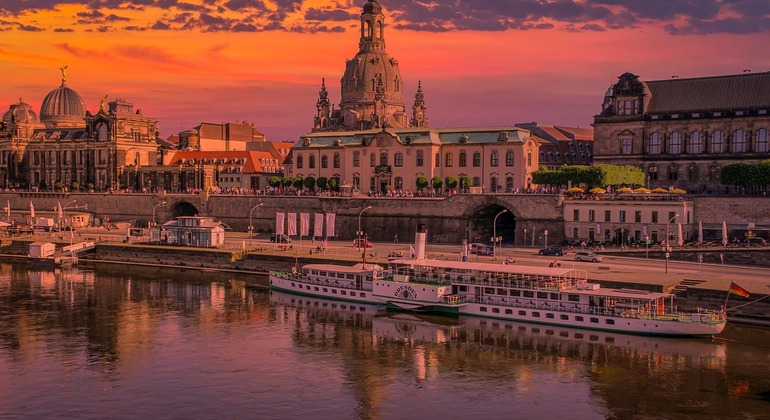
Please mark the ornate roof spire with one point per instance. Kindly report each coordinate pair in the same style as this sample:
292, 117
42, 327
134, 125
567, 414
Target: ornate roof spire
419, 115
63, 75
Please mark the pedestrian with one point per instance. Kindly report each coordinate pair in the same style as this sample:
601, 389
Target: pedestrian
395, 238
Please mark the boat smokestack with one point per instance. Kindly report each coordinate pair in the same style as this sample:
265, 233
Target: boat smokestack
419, 242
464, 251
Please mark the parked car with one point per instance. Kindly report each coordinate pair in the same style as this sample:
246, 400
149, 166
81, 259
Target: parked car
552, 250
274, 237
588, 256
755, 241
361, 243
480, 249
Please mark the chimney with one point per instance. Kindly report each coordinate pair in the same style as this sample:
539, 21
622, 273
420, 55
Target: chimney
419, 242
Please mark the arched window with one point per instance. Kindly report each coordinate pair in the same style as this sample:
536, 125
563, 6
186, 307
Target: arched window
357, 181
398, 159
383, 159
476, 181
493, 158
493, 184
419, 159
476, 159
311, 162
324, 161
463, 159
717, 143
675, 143
399, 183
550, 156
738, 145
448, 160
372, 160
696, 143
509, 184
542, 156
761, 141
653, 147
356, 159
509, 158
438, 160
299, 161
336, 160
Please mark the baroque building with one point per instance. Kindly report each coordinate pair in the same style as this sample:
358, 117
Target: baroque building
67, 147
682, 131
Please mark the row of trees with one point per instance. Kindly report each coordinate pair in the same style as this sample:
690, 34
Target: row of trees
751, 176
437, 183
592, 176
309, 182
58, 186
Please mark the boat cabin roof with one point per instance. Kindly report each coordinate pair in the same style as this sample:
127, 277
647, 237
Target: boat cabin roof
620, 293
334, 268
489, 267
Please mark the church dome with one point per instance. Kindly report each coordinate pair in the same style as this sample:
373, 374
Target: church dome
21, 113
63, 107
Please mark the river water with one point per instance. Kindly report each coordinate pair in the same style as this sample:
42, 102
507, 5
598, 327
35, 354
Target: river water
124, 342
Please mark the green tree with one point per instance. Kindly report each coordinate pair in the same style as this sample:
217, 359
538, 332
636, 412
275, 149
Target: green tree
309, 183
42, 185
465, 182
436, 182
58, 185
421, 182
322, 182
274, 182
297, 182
287, 181
90, 185
451, 182
334, 184
75, 186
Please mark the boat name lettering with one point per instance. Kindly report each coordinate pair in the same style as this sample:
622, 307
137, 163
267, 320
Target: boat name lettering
405, 292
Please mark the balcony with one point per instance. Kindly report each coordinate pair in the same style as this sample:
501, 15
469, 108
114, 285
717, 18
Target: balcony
383, 169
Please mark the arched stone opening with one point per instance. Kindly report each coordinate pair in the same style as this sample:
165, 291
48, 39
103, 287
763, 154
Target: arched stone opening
183, 208
482, 227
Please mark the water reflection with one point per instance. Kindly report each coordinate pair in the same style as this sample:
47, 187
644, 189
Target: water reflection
137, 341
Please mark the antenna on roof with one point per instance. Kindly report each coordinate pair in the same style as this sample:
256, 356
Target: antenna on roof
746, 71
674, 77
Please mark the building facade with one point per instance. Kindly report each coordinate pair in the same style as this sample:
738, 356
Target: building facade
682, 131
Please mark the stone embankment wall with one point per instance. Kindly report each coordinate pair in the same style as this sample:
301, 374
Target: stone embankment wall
731, 255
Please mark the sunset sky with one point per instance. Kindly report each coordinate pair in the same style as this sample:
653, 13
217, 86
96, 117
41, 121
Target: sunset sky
481, 62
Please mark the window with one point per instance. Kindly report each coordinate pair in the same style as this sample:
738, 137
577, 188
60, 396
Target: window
383, 159
419, 159
654, 146
509, 158
372, 160
738, 145
299, 161
324, 161
579, 318
622, 216
463, 159
493, 158
311, 161
509, 184
607, 215
438, 160
675, 143
717, 145
696, 143
493, 184
398, 159
476, 160
625, 146
761, 143
356, 182
576, 215
336, 162
448, 160
476, 181
655, 217
591, 216
356, 159
637, 216
399, 185
673, 173
575, 232
529, 159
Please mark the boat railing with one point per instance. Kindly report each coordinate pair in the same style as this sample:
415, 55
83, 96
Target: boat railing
315, 281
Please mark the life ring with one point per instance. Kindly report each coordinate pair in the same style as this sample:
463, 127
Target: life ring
713, 317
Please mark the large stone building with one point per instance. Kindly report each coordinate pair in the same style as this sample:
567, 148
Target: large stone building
68, 147
371, 144
682, 131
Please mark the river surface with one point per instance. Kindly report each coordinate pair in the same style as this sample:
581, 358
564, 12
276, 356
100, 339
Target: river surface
126, 343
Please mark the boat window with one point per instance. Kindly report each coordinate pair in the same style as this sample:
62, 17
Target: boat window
536, 314
542, 295
496, 310
341, 275
316, 288
483, 309
509, 311
352, 293
579, 318
555, 296
326, 290
549, 316
523, 313
564, 317
307, 287
342, 292
529, 294
292, 285
515, 293
610, 321
334, 291
595, 320
463, 288
323, 273
573, 298
363, 294
350, 276
489, 290
502, 292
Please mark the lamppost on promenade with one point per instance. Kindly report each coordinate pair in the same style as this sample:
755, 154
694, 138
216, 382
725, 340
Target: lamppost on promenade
360, 232
495, 239
63, 212
153, 212
251, 227
668, 246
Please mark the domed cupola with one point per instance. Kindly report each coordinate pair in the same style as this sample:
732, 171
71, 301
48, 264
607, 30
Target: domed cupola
21, 113
372, 88
63, 107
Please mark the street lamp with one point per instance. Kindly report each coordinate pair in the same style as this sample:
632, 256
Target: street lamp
668, 246
360, 232
251, 227
153, 212
61, 219
494, 234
